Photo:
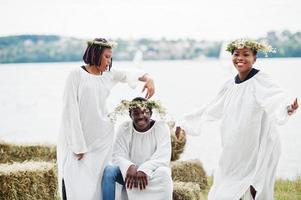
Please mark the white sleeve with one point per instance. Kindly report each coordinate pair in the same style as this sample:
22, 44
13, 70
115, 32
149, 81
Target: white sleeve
271, 98
127, 76
193, 121
71, 123
121, 148
162, 155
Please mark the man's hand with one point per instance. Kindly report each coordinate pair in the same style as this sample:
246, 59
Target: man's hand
178, 131
79, 156
131, 176
149, 85
141, 180
293, 107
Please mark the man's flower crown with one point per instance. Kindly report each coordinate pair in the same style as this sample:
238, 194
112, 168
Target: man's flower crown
125, 105
109, 44
251, 44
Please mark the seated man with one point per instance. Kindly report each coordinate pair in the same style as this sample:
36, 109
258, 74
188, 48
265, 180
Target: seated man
141, 153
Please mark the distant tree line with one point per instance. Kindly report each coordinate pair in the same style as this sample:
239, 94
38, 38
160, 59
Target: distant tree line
53, 48
287, 44
39, 48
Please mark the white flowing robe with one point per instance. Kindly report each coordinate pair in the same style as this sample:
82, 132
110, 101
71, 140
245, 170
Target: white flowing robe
85, 128
250, 112
150, 151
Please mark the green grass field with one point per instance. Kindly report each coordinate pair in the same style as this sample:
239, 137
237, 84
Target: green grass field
284, 189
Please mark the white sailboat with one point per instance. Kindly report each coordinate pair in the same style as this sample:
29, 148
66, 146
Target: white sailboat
225, 60
138, 58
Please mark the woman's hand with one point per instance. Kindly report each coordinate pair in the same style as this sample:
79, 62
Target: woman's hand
79, 156
141, 180
131, 176
293, 107
149, 85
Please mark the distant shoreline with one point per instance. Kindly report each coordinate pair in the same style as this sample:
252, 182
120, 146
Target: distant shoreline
175, 60
55, 48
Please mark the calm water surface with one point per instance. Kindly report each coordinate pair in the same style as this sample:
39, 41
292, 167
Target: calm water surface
30, 101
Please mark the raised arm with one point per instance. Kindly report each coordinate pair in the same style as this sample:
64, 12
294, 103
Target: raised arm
192, 122
132, 77
293, 107
272, 99
149, 85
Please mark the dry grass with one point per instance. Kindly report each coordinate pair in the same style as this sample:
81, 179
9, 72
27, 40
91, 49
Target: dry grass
10, 153
38, 180
189, 171
28, 181
187, 191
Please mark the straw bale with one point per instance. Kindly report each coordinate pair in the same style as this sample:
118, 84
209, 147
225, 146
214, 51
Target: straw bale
189, 171
28, 181
10, 152
187, 191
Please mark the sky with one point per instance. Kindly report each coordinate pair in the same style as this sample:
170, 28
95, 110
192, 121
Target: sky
132, 19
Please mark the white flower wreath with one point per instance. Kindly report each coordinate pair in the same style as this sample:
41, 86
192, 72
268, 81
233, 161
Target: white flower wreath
251, 44
110, 44
125, 105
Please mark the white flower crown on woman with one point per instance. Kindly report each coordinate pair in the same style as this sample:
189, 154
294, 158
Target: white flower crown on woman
251, 44
125, 105
109, 44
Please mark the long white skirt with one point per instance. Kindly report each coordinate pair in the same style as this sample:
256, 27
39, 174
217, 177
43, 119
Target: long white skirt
83, 178
159, 187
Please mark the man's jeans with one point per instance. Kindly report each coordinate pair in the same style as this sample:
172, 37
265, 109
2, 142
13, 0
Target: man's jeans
111, 175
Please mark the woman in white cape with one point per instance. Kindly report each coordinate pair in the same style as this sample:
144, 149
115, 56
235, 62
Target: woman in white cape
250, 107
86, 133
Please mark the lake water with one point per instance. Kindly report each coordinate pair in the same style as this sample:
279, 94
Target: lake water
30, 101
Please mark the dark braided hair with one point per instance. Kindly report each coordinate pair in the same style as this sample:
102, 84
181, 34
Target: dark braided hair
93, 53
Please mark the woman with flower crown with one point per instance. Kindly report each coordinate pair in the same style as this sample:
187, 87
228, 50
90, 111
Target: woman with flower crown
250, 106
86, 133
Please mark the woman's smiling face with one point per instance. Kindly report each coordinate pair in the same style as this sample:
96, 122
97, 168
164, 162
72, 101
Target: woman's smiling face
243, 59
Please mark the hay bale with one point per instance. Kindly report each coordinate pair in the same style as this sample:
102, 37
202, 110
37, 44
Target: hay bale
177, 145
189, 171
187, 191
10, 152
28, 181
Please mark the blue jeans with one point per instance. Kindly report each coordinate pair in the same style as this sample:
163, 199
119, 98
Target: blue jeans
111, 175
